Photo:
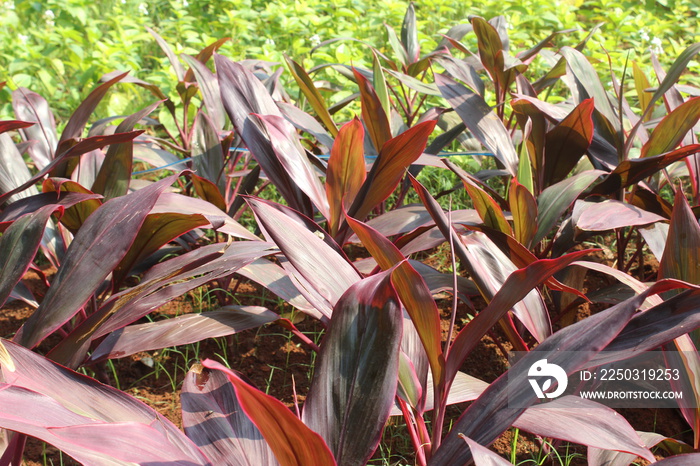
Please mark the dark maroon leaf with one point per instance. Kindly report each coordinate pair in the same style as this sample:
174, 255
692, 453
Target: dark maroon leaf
115, 173
373, 115
209, 87
481, 121
570, 348
174, 62
18, 246
355, 376
11, 125
567, 142
96, 249
207, 153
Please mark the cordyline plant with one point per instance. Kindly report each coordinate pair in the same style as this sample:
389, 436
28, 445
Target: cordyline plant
590, 164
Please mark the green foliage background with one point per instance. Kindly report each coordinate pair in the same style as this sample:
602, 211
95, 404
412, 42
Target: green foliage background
60, 48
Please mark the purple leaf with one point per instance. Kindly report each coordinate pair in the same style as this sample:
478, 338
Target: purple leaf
584, 422
18, 246
481, 121
95, 251
181, 330
30, 106
355, 376
610, 214
292, 442
326, 270
214, 420
82, 416
209, 87
483, 456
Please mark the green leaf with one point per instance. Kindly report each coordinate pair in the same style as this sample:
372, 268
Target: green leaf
671, 130
314, 97
523, 206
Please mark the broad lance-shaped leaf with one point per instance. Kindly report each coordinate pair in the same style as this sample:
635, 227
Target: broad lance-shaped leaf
354, 382
681, 257
494, 268
391, 164
13, 172
96, 249
214, 420
556, 199
481, 121
181, 330
82, 147
74, 216
632, 171
609, 215
523, 207
411, 289
95, 423
312, 94
76, 124
326, 270
482, 455
30, 106
18, 246
209, 88
346, 170
673, 128
207, 154
375, 118
515, 288
570, 348
292, 442
115, 173
567, 142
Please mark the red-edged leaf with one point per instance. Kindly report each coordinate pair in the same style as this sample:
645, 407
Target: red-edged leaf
412, 290
346, 170
74, 217
488, 209
115, 173
208, 157
181, 330
312, 94
631, 171
88, 420
681, 254
31, 107
481, 121
355, 376
96, 249
567, 142
570, 348
515, 288
671, 130
208, 192
689, 459
79, 118
584, 422
14, 174
18, 246
395, 157
556, 199
483, 456
494, 268
290, 440
174, 62
11, 125
31, 204
209, 88
373, 114
326, 270
214, 420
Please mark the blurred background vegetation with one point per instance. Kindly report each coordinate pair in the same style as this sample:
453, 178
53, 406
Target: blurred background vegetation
60, 48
